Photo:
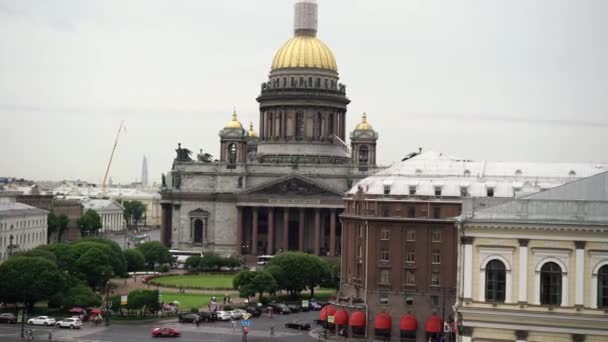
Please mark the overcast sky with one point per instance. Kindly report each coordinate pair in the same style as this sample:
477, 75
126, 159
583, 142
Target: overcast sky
512, 80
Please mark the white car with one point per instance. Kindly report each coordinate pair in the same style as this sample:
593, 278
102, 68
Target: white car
224, 315
41, 320
72, 323
238, 313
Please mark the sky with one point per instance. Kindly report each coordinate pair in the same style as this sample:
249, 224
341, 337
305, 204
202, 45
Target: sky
510, 80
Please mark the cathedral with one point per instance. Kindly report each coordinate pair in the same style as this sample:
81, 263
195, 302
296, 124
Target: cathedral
280, 188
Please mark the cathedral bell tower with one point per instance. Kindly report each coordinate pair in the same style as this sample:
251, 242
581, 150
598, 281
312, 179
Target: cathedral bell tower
233, 143
303, 105
363, 145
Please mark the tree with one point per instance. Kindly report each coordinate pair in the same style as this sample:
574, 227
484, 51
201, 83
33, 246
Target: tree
94, 266
295, 271
81, 295
193, 262
135, 260
64, 254
56, 224
89, 223
332, 279
250, 283
134, 211
37, 252
155, 254
109, 248
29, 280
143, 300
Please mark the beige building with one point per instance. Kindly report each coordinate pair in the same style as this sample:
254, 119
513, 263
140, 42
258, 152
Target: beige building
22, 227
536, 268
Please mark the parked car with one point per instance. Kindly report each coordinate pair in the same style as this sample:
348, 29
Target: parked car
8, 318
238, 313
223, 316
295, 308
41, 320
207, 316
253, 310
189, 318
279, 308
165, 332
297, 325
71, 323
315, 306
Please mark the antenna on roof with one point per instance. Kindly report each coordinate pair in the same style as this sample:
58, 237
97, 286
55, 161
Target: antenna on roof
412, 155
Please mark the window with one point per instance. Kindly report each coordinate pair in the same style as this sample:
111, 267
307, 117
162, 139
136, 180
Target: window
602, 287
551, 284
299, 125
435, 279
436, 235
437, 212
360, 229
387, 189
385, 277
490, 192
464, 191
411, 212
410, 278
435, 300
410, 257
385, 234
496, 278
438, 191
412, 189
386, 212
360, 251
359, 271
436, 256
364, 158
384, 254
411, 235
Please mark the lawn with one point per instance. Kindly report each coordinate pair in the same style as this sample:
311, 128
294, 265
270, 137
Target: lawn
200, 281
187, 301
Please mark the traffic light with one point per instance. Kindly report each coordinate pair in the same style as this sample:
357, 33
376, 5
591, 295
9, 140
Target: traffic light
245, 330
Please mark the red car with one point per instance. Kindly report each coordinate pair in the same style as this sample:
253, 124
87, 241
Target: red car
165, 332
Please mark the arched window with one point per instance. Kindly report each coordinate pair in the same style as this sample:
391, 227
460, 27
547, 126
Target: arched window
198, 231
551, 284
602, 287
363, 154
496, 275
232, 150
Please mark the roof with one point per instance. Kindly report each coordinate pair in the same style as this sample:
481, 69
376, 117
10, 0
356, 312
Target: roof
10, 208
101, 204
429, 170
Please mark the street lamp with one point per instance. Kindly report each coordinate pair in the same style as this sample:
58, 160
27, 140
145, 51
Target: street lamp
108, 303
10, 245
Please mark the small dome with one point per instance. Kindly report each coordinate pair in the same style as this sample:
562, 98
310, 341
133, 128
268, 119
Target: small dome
252, 133
234, 123
304, 52
364, 125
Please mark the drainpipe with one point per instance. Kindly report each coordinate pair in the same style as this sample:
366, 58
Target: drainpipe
366, 274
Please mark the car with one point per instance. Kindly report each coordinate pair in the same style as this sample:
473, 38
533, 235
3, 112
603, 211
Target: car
223, 315
165, 332
279, 308
8, 318
41, 320
238, 313
71, 323
207, 316
314, 306
297, 325
253, 311
294, 308
189, 318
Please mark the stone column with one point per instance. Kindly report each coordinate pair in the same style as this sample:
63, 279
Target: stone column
301, 231
239, 230
254, 232
523, 271
467, 241
580, 274
270, 231
317, 231
332, 233
285, 229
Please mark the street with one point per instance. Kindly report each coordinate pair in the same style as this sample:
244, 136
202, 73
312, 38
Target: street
141, 331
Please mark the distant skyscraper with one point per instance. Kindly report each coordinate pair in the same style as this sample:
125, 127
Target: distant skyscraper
144, 172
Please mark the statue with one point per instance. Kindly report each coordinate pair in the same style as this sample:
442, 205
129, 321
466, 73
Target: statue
183, 154
204, 157
164, 180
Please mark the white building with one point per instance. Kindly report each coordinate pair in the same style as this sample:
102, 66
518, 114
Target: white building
111, 212
21, 227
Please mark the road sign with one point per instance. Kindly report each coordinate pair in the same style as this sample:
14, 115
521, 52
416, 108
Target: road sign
20, 316
246, 316
245, 323
330, 319
304, 303
123, 300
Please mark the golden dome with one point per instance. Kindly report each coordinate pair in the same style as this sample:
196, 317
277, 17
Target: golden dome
304, 52
234, 123
364, 125
252, 132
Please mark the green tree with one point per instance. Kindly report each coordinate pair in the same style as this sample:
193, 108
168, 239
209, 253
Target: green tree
155, 254
295, 271
56, 224
332, 278
94, 266
135, 260
89, 223
82, 296
117, 258
64, 254
193, 262
38, 252
143, 300
250, 283
134, 211
29, 280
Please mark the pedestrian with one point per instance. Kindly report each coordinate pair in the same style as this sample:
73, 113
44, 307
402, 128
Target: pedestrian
272, 331
198, 321
234, 326
224, 299
50, 335
229, 300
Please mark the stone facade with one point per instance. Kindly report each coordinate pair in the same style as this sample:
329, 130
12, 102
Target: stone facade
22, 227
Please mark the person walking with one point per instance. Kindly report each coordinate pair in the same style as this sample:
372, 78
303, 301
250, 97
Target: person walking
234, 326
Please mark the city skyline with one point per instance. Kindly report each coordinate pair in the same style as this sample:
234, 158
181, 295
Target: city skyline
447, 77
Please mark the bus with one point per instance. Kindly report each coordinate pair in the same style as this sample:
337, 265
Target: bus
139, 239
180, 257
264, 259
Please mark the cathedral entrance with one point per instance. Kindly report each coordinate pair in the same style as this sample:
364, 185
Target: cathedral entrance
198, 231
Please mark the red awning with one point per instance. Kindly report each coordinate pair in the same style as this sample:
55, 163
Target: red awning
95, 311
76, 310
434, 324
408, 323
341, 317
357, 319
328, 310
382, 321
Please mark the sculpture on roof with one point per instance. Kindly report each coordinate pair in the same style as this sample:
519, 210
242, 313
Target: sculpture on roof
183, 154
204, 157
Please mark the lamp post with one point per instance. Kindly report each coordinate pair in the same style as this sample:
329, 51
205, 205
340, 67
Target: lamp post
10, 245
107, 303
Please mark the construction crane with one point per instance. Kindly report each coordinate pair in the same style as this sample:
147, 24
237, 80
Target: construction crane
105, 177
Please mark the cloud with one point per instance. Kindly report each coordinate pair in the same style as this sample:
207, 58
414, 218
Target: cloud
512, 119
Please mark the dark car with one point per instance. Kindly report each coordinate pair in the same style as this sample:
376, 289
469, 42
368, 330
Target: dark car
314, 306
253, 310
297, 325
165, 332
8, 318
294, 308
279, 308
207, 316
189, 318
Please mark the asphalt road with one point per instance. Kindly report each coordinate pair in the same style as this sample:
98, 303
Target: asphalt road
206, 332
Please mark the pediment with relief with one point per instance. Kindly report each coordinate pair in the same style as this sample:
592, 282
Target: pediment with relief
293, 186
